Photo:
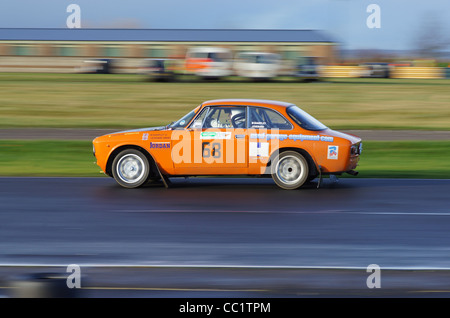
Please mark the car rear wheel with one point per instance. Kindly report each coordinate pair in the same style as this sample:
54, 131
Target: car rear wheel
131, 168
290, 170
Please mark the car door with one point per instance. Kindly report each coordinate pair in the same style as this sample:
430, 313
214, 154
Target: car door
218, 142
268, 131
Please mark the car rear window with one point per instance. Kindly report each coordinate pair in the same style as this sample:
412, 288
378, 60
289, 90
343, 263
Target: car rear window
304, 120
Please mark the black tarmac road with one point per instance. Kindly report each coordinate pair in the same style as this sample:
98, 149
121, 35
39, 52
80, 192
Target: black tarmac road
230, 236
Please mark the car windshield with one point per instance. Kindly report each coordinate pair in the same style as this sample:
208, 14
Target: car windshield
182, 123
304, 120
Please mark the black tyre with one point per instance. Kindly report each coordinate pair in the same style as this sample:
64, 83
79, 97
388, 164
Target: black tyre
131, 168
290, 170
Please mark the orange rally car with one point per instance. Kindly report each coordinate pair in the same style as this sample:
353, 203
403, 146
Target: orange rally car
230, 137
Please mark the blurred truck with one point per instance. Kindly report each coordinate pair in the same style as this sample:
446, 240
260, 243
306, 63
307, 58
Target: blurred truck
307, 68
159, 69
97, 66
374, 69
209, 62
257, 65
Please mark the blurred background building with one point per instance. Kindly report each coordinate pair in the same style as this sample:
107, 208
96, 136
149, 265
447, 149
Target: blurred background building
62, 50
163, 54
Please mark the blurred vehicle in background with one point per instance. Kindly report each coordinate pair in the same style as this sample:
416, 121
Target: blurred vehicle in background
371, 70
159, 69
97, 66
307, 68
257, 65
209, 62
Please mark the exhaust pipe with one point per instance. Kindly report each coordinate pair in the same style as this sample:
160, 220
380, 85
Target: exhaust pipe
353, 172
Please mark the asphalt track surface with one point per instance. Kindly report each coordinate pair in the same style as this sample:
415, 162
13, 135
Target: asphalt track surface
220, 237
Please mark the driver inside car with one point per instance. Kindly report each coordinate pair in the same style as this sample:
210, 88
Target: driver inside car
228, 123
235, 118
227, 118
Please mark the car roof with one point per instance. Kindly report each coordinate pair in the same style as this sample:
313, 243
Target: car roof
249, 102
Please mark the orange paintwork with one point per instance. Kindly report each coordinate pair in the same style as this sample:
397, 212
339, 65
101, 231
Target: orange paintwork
233, 154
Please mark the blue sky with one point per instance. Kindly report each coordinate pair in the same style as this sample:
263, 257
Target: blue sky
344, 20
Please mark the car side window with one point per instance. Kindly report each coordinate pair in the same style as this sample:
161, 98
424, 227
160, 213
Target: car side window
257, 118
225, 117
198, 122
262, 118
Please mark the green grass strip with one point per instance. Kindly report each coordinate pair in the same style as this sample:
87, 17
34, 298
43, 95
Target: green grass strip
405, 159
47, 158
129, 101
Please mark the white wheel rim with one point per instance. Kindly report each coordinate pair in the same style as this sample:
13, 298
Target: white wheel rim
130, 168
290, 170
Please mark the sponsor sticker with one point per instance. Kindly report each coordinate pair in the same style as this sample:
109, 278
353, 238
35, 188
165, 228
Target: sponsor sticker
333, 152
145, 136
215, 135
159, 145
282, 137
259, 149
259, 124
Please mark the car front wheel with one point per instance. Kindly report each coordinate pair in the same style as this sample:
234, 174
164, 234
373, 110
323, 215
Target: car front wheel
131, 168
290, 170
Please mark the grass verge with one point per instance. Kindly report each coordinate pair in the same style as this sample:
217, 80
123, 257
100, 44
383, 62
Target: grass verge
403, 159
47, 158
127, 100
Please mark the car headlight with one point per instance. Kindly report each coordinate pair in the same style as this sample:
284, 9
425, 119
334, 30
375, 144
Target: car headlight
356, 149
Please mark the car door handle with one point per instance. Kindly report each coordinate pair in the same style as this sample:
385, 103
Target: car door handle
239, 136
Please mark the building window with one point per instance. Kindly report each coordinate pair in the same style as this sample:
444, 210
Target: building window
112, 51
22, 49
157, 52
67, 50
290, 55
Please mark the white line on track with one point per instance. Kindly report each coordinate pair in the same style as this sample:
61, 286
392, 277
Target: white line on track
206, 266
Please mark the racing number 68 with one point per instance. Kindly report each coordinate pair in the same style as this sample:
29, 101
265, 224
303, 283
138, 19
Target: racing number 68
209, 150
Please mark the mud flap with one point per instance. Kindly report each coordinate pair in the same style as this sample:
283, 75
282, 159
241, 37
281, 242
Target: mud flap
320, 177
164, 178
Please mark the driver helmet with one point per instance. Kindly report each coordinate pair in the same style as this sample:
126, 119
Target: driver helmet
235, 112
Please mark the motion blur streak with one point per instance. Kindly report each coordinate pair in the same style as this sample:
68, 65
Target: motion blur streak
349, 224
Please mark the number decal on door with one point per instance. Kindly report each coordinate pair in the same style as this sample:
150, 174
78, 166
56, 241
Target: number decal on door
209, 150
